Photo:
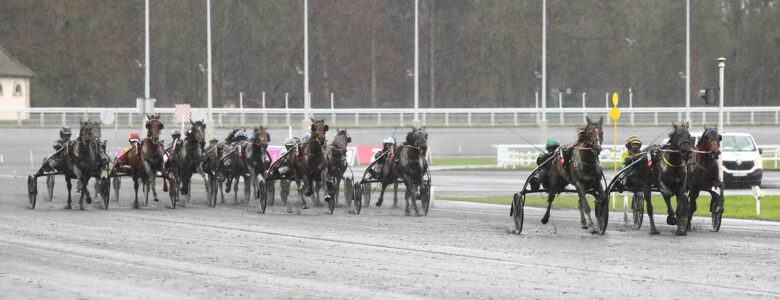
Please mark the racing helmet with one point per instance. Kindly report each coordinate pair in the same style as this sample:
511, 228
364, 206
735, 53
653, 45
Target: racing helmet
65, 133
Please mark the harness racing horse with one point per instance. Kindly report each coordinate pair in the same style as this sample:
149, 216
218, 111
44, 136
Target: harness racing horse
185, 159
582, 169
671, 177
259, 162
212, 165
146, 159
337, 161
703, 174
410, 165
310, 161
87, 160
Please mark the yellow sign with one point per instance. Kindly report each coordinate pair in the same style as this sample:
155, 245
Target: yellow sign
614, 99
614, 113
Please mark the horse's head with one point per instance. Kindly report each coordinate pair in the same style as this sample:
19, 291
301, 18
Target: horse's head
710, 142
199, 127
153, 127
340, 141
85, 131
318, 130
95, 130
260, 136
592, 135
418, 138
680, 139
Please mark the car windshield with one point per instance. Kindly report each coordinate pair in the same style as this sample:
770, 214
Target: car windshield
737, 144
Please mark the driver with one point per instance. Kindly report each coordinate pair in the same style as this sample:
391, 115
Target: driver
175, 136
133, 139
64, 138
633, 148
381, 157
540, 179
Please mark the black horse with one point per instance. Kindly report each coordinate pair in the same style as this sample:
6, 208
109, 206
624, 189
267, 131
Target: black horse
337, 160
582, 169
186, 158
87, 160
703, 172
410, 165
311, 163
671, 177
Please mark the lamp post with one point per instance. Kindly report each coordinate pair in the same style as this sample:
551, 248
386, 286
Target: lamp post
721, 81
210, 129
416, 121
687, 60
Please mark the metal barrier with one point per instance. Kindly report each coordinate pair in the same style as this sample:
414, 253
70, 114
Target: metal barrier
391, 117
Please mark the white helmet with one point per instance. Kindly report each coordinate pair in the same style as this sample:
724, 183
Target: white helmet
389, 140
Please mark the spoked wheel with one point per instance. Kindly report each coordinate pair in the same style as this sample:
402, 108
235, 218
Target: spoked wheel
105, 188
425, 197
602, 215
716, 207
50, 187
332, 202
32, 190
638, 208
517, 211
263, 198
356, 193
348, 192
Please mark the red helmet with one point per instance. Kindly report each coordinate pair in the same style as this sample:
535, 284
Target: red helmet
134, 135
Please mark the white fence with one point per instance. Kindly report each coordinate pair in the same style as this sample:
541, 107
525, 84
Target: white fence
372, 117
524, 155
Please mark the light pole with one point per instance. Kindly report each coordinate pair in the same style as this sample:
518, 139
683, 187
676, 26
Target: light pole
306, 98
416, 65
721, 81
543, 121
208, 55
687, 60
146, 68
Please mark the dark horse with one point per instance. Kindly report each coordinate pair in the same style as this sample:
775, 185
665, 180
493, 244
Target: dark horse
186, 158
337, 160
411, 166
310, 161
146, 159
240, 165
671, 177
703, 172
582, 169
259, 160
212, 164
87, 160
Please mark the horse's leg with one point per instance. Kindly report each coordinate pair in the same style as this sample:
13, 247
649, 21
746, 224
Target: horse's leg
50, 186
135, 186
682, 211
70, 187
80, 184
585, 207
336, 192
205, 179
415, 194
235, 187
299, 186
382, 193
550, 197
692, 206
395, 193
247, 188
407, 195
117, 182
671, 219
649, 204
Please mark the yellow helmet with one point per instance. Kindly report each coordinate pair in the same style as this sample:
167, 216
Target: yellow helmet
633, 139
213, 138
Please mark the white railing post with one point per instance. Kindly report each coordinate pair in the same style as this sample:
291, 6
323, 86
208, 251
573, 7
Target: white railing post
265, 113
606, 105
446, 119
42, 118
492, 119
424, 122
560, 106
655, 118
287, 108
220, 120
728, 118
379, 119
242, 116
536, 107
357, 120
752, 119
704, 117
63, 120
129, 119
515, 118
631, 105
19, 119
333, 110
777, 117
679, 116
584, 109
469, 118
401, 117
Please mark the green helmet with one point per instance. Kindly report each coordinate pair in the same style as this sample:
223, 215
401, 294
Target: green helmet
551, 143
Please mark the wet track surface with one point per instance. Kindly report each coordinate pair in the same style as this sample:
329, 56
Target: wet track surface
460, 250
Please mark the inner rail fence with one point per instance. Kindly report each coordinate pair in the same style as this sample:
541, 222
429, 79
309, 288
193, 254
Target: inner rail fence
391, 117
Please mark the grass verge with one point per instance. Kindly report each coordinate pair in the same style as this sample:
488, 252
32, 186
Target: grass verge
742, 207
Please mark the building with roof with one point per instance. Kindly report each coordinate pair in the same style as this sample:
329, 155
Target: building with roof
14, 85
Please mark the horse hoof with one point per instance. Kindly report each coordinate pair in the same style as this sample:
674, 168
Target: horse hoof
379, 203
545, 219
135, 205
305, 207
81, 207
89, 200
68, 207
408, 213
654, 231
671, 220
681, 233
156, 200
165, 189
308, 194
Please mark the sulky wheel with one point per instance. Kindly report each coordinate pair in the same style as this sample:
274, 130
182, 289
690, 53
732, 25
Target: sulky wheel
366, 194
174, 191
270, 192
638, 209
357, 192
32, 190
425, 197
212, 195
263, 198
602, 215
348, 192
517, 211
716, 207
105, 188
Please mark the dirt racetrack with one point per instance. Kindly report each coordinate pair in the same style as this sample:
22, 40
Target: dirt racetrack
460, 250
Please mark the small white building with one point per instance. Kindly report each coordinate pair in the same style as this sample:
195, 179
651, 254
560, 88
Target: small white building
14, 85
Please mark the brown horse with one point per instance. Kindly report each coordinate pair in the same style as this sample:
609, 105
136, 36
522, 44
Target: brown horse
186, 158
260, 160
582, 169
146, 159
703, 172
310, 162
